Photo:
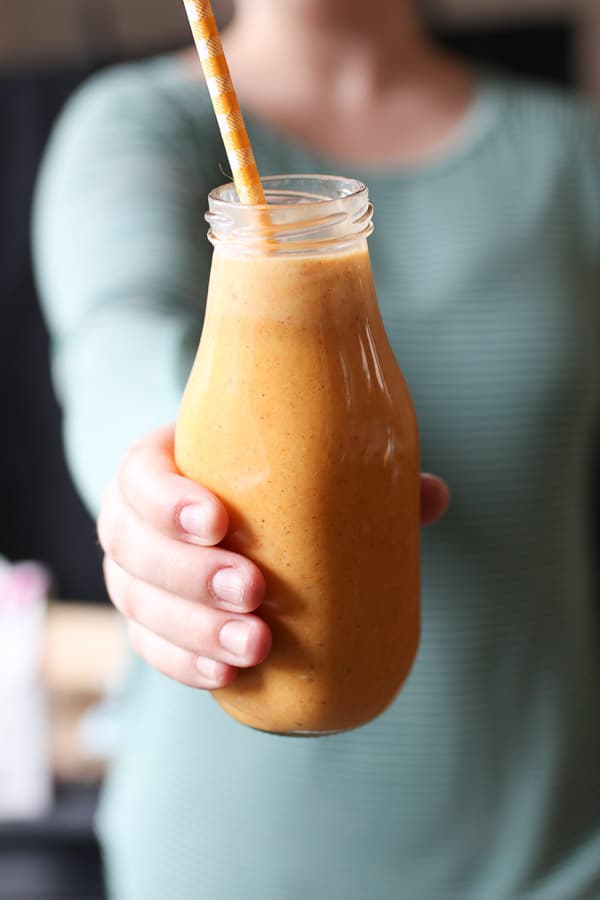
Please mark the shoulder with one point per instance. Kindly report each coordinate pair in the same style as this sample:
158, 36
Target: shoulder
145, 105
550, 143
129, 164
160, 84
557, 125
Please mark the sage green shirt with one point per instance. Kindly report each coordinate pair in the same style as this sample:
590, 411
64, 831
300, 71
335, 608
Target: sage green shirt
482, 782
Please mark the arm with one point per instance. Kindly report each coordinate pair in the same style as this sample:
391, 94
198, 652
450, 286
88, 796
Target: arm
123, 266
122, 263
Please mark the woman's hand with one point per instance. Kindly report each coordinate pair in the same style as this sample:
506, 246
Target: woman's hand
190, 604
435, 499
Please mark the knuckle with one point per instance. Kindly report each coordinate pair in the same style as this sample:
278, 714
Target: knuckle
130, 463
110, 524
202, 631
135, 469
135, 639
182, 573
180, 666
107, 569
110, 534
103, 525
177, 664
122, 589
141, 642
129, 599
176, 577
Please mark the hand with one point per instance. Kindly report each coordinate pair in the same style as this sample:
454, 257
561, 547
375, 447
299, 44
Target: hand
190, 604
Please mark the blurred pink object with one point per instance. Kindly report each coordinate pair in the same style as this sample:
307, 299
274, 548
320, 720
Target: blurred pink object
22, 584
25, 779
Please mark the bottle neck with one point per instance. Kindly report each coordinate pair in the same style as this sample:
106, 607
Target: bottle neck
304, 215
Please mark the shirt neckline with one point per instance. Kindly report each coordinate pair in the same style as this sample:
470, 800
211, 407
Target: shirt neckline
479, 121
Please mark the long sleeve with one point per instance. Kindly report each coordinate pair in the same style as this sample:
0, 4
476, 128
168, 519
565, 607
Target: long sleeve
486, 264
122, 264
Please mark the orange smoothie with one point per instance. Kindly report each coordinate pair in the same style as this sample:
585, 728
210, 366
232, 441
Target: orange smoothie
297, 416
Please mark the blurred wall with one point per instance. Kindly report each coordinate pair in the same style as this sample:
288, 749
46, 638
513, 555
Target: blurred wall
584, 14
72, 30
47, 31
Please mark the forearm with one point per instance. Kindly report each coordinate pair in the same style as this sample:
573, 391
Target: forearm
119, 377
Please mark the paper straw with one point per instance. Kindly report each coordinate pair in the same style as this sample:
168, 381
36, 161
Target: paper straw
229, 116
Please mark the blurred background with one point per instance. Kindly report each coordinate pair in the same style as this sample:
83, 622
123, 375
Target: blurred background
47, 850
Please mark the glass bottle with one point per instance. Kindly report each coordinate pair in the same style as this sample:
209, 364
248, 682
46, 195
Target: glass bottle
297, 416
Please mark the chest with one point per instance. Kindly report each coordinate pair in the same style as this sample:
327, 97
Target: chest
492, 312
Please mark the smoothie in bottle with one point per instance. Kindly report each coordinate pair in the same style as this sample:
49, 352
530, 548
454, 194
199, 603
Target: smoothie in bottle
297, 416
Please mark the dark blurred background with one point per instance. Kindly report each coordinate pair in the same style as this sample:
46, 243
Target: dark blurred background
42, 61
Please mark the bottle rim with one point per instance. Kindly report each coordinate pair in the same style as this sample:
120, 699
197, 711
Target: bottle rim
303, 213
281, 186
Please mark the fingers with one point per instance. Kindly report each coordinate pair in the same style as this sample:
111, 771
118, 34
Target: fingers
188, 602
178, 664
212, 576
435, 499
150, 484
205, 632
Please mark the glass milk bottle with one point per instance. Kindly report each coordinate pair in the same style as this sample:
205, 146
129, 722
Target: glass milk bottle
297, 416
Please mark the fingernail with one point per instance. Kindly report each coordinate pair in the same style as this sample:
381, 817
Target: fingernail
234, 637
228, 586
209, 668
194, 520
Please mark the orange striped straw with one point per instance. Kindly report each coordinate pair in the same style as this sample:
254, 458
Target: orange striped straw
220, 86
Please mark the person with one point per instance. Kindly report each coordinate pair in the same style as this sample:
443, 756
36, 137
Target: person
482, 781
